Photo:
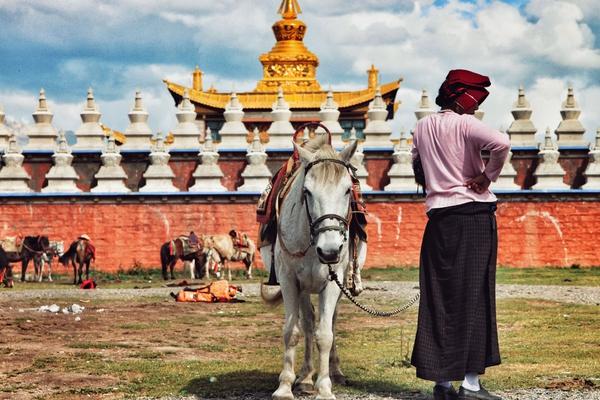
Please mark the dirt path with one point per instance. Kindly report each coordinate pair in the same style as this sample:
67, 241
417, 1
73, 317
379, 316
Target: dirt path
564, 294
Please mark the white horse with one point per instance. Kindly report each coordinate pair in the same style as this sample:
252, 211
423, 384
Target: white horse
312, 233
55, 249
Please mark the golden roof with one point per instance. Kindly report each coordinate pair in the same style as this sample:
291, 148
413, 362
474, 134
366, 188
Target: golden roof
262, 100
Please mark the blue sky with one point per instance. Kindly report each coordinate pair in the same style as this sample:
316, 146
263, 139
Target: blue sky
120, 46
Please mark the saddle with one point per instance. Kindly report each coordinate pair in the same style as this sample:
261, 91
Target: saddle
181, 247
278, 189
12, 244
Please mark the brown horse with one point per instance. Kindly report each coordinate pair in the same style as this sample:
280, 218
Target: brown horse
31, 248
180, 249
6, 277
81, 253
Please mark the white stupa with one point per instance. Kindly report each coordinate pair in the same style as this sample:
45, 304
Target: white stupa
378, 130
592, 171
62, 177
256, 174
549, 173
42, 134
402, 177
357, 162
208, 175
329, 116
281, 129
570, 130
4, 131
138, 133
111, 177
521, 130
13, 177
506, 180
425, 108
159, 175
186, 134
90, 135
233, 132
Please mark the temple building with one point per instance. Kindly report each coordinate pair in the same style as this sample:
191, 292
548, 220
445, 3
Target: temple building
289, 65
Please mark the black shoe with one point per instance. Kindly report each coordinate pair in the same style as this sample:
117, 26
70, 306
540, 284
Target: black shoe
444, 393
481, 394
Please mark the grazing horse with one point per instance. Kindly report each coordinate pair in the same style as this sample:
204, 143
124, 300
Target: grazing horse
228, 251
175, 249
312, 236
6, 276
80, 253
55, 249
32, 247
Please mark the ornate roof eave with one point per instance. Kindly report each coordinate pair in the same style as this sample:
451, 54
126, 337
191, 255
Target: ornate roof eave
298, 100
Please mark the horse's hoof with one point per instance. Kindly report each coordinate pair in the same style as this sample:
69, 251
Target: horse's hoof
339, 379
305, 388
283, 395
325, 396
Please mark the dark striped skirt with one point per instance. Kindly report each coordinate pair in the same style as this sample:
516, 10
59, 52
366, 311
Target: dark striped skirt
456, 332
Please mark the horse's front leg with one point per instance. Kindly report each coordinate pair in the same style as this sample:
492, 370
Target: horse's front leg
24, 264
38, 266
328, 299
335, 373
305, 379
50, 270
228, 266
291, 336
74, 272
87, 270
248, 263
80, 272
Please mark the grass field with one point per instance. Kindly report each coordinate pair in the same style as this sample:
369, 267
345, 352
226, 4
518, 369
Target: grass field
156, 347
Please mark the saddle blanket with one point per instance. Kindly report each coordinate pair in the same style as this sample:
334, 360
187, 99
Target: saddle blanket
11, 244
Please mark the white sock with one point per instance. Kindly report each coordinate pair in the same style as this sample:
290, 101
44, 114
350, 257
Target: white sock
445, 384
471, 382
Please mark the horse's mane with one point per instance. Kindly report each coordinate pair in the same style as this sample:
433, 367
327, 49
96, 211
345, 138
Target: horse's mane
325, 171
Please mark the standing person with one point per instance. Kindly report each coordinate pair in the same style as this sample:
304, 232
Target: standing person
457, 336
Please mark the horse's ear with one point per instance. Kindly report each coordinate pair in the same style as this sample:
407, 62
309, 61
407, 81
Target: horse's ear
305, 155
348, 151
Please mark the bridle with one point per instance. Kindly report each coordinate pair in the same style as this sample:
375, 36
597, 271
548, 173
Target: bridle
314, 224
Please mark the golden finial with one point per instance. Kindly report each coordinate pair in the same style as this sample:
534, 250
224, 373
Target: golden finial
197, 79
373, 79
289, 9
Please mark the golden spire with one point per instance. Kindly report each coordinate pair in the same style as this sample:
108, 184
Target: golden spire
373, 77
197, 79
289, 64
289, 9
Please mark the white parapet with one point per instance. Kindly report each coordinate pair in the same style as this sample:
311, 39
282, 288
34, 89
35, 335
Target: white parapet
329, 116
570, 130
111, 177
378, 130
357, 161
506, 180
186, 135
138, 133
592, 172
62, 177
549, 173
256, 174
233, 132
159, 175
13, 177
402, 177
42, 134
281, 129
521, 130
90, 135
208, 175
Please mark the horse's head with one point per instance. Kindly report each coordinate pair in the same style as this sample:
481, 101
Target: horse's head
44, 243
327, 192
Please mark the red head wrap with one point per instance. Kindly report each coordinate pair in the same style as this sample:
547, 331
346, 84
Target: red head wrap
463, 91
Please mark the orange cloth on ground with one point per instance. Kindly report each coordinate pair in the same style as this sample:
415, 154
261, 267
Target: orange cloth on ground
215, 292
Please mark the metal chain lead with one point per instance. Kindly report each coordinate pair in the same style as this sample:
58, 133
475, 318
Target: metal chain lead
333, 277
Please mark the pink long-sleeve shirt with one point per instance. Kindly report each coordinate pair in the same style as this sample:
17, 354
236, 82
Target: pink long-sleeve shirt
449, 145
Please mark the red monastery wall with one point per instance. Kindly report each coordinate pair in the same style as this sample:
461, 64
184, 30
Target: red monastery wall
532, 233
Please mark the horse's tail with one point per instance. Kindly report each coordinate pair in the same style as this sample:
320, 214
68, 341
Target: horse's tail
271, 294
165, 254
68, 255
